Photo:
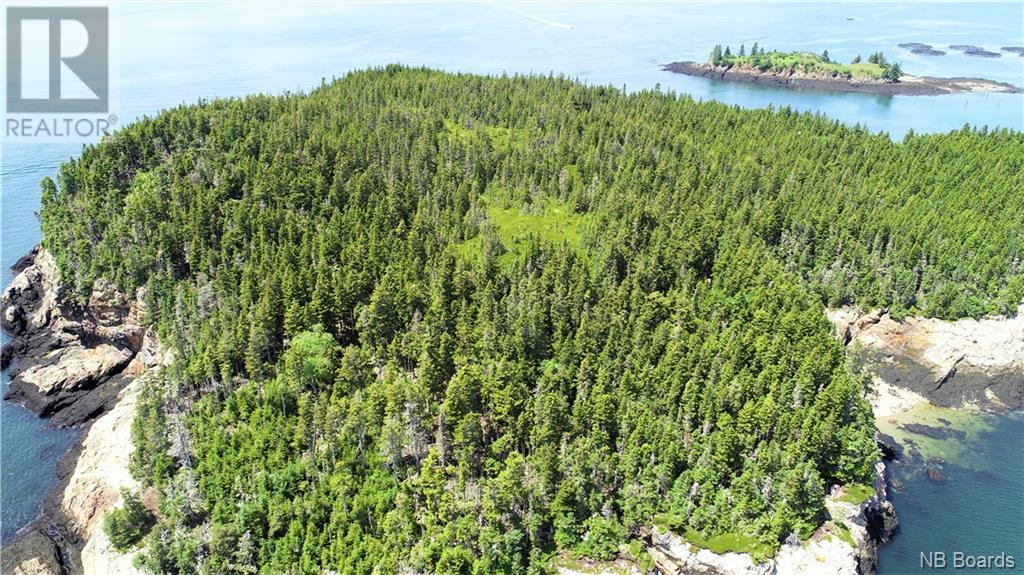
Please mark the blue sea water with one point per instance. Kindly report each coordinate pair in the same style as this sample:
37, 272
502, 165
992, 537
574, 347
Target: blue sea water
28, 448
977, 509
173, 53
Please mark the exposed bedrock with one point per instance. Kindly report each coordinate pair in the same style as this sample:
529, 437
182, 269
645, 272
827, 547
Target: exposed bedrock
61, 350
77, 363
964, 363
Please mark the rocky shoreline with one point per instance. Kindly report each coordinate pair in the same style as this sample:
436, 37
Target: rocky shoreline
967, 363
975, 364
78, 364
908, 85
61, 351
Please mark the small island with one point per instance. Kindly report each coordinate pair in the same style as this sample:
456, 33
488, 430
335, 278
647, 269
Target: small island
921, 49
874, 75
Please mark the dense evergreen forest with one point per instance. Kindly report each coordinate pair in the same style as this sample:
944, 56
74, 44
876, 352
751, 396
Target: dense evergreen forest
441, 323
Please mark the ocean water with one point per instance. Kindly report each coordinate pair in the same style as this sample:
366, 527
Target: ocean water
172, 53
28, 448
977, 509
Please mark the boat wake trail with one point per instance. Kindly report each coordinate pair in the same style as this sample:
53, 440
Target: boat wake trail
544, 21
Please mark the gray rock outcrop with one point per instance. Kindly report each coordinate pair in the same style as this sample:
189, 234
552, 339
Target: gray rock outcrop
77, 363
965, 363
61, 350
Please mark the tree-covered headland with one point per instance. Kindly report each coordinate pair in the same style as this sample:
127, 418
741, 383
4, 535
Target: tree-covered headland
445, 323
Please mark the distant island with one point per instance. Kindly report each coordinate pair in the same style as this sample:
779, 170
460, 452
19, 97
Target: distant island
922, 49
875, 75
967, 50
971, 50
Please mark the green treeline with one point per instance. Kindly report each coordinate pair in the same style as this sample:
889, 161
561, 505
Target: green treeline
443, 323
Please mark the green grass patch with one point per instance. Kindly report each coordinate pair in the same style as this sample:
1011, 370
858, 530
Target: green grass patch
857, 493
843, 532
547, 220
638, 553
730, 542
456, 130
550, 222
507, 138
501, 138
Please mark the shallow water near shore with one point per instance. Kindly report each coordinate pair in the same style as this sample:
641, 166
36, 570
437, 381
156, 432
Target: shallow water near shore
977, 508
29, 449
965, 429
168, 56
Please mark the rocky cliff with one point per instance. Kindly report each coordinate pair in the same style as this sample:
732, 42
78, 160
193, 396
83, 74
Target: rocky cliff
674, 556
65, 356
77, 363
964, 363
846, 544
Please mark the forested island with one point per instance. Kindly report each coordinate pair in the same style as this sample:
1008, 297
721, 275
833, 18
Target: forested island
876, 74
425, 322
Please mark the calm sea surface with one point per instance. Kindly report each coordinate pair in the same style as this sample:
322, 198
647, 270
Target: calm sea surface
170, 55
977, 509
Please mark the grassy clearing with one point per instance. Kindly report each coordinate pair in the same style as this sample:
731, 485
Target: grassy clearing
857, 493
501, 138
843, 532
551, 222
548, 221
730, 542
